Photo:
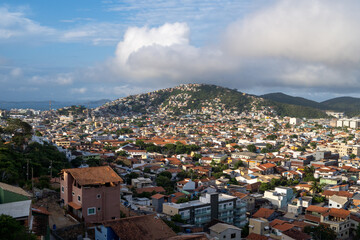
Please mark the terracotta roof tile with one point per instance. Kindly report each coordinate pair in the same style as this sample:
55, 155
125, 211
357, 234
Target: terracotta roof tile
94, 175
263, 213
148, 227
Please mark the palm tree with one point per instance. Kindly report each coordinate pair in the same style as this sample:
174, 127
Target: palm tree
315, 187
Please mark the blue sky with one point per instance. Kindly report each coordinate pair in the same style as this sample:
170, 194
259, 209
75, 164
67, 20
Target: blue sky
87, 49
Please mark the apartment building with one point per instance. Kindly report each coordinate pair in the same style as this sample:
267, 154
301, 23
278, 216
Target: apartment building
279, 197
337, 219
91, 194
223, 207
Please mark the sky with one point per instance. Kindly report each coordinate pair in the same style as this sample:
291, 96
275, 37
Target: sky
91, 49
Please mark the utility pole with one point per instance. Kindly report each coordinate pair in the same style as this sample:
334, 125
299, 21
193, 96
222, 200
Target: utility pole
51, 169
27, 170
32, 178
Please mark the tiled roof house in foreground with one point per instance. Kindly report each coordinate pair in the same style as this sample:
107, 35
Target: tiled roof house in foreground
91, 194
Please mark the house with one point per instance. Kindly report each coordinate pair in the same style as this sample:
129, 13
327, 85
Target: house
292, 174
205, 160
15, 202
141, 182
279, 197
266, 213
223, 207
173, 162
133, 228
337, 219
186, 185
267, 168
298, 205
150, 190
157, 201
250, 200
338, 202
40, 222
294, 234
259, 226
279, 226
225, 231
91, 194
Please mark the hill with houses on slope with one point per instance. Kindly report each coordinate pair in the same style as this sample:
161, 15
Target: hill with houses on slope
202, 99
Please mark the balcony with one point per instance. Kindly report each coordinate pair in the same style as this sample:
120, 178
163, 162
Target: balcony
226, 209
202, 220
198, 214
185, 217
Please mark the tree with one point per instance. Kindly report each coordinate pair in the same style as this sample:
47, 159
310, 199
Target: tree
177, 218
182, 200
352, 156
130, 176
197, 156
10, 229
163, 181
313, 144
122, 153
166, 174
271, 137
357, 233
320, 232
264, 186
315, 187
251, 148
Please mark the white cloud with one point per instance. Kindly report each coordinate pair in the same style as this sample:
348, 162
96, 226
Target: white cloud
297, 44
57, 79
164, 36
15, 24
78, 90
16, 72
307, 30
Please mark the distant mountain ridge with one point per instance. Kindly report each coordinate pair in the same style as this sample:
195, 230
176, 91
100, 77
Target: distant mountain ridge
349, 105
202, 98
45, 105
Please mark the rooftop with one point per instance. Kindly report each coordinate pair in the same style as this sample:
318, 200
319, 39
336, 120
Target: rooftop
94, 175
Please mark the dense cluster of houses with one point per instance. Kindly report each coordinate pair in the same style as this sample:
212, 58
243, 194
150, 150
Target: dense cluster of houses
252, 172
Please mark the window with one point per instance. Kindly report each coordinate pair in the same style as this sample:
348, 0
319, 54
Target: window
338, 205
91, 211
233, 235
99, 209
73, 193
62, 189
98, 196
79, 198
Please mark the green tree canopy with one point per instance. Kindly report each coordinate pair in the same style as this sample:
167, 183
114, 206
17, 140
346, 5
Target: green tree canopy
10, 229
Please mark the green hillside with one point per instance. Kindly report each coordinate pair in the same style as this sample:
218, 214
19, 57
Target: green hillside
284, 98
202, 98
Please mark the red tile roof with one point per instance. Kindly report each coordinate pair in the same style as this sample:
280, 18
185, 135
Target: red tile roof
157, 196
94, 175
254, 236
263, 213
148, 227
150, 189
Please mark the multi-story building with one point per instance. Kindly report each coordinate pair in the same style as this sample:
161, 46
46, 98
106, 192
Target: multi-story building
141, 182
336, 219
223, 207
279, 197
91, 194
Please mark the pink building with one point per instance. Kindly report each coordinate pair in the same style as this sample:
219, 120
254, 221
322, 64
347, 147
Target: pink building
91, 194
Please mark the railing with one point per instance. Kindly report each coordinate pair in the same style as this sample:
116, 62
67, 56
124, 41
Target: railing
202, 213
225, 209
